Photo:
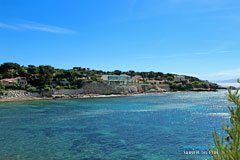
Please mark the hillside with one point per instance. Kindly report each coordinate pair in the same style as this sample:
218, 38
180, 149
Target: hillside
46, 77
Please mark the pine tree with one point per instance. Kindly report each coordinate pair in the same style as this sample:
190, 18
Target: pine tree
229, 148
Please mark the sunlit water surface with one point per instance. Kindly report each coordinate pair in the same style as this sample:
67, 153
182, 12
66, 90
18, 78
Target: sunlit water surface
152, 126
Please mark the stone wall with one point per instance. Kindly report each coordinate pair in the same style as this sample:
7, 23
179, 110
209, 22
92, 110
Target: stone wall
107, 89
19, 94
67, 91
164, 86
89, 88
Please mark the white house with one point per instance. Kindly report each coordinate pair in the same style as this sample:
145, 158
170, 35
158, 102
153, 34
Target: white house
179, 78
116, 78
10, 81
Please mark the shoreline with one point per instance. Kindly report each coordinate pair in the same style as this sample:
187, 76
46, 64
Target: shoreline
16, 99
85, 96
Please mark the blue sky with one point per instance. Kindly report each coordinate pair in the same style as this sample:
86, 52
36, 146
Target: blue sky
199, 38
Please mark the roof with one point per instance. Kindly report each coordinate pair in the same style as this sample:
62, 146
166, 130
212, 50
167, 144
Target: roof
13, 79
137, 76
123, 75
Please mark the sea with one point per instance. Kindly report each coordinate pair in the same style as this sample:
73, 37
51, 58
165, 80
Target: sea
161, 126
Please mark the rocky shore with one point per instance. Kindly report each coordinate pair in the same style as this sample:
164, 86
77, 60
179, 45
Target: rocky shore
89, 90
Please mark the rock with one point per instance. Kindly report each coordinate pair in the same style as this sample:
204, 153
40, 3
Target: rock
59, 96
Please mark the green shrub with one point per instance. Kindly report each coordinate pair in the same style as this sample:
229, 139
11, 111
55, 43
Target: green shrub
170, 78
16, 85
58, 87
2, 86
32, 89
78, 83
205, 85
213, 85
47, 88
189, 86
2, 91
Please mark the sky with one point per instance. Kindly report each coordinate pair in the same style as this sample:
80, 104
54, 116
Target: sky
199, 38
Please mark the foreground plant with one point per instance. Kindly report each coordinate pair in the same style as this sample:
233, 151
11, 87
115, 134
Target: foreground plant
229, 148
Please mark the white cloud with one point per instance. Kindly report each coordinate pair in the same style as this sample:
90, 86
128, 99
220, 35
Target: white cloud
234, 72
201, 53
38, 27
222, 75
7, 26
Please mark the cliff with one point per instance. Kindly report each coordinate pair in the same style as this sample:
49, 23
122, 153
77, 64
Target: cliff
88, 88
107, 89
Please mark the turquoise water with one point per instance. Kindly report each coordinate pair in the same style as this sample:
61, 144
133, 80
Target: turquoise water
152, 126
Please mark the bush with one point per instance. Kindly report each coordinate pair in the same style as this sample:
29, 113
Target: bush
47, 88
205, 85
29, 88
2, 91
197, 84
74, 87
189, 86
2, 86
170, 78
78, 83
213, 85
32, 89
16, 85
59, 87
178, 86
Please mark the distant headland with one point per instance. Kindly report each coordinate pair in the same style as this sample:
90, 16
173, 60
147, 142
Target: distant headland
26, 82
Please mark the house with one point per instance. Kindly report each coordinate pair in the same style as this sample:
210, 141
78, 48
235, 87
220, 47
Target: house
64, 82
159, 78
10, 81
179, 78
116, 78
153, 81
137, 78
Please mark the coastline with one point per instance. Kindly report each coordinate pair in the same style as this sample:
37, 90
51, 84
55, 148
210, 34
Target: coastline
24, 99
16, 99
86, 96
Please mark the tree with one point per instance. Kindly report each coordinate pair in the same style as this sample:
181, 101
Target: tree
160, 74
143, 74
196, 84
9, 70
131, 73
228, 148
150, 74
31, 69
45, 75
5, 67
16, 85
70, 75
117, 72
2, 86
213, 85
170, 78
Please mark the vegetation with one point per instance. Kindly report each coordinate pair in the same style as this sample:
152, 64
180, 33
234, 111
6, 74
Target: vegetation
45, 77
228, 148
2, 87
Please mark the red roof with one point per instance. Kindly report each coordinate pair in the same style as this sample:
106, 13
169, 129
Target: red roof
13, 79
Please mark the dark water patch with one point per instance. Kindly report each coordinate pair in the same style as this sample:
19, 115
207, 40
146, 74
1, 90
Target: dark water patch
57, 131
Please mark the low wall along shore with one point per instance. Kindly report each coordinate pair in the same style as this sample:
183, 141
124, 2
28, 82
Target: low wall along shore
19, 94
89, 88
